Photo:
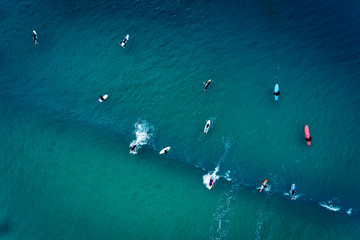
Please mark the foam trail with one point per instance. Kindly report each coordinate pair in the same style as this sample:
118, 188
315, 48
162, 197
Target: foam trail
143, 132
259, 225
212, 174
329, 206
221, 224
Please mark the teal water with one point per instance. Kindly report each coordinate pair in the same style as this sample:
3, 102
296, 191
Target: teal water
66, 168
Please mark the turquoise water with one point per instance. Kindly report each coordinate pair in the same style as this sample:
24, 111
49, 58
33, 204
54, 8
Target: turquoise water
66, 168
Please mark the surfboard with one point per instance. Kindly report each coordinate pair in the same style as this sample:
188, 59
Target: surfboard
127, 39
165, 149
105, 97
291, 189
276, 89
262, 187
206, 129
307, 134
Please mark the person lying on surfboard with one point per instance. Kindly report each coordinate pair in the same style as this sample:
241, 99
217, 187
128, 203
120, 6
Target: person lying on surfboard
124, 41
207, 84
211, 183
133, 148
263, 186
35, 37
308, 139
293, 191
277, 93
103, 98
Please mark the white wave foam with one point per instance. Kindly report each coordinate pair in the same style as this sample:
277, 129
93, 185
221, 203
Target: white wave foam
259, 224
349, 211
221, 224
143, 132
209, 175
267, 189
329, 205
227, 176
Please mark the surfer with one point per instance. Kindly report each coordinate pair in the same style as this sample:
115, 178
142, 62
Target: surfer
293, 191
207, 84
263, 186
35, 37
132, 149
277, 93
103, 98
206, 129
165, 151
124, 41
211, 182
308, 139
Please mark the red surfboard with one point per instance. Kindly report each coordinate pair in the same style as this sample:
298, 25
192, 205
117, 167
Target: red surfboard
307, 134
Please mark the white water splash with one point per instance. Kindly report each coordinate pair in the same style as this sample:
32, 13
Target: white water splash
212, 174
143, 132
330, 206
208, 176
349, 211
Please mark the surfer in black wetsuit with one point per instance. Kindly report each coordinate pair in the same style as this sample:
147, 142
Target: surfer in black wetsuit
308, 139
277, 93
102, 98
133, 148
262, 187
207, 84
35, 37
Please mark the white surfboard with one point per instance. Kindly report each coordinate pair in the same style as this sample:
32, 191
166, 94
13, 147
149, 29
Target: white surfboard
104, 97
207, 126
276, 89
165, 149
127, 39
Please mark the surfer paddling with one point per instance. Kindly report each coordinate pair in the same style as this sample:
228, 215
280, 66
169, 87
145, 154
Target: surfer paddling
207, 84
124, 41
102, 98
307, 135
34, 35
292, 191
263, 186
207, 126
165, 150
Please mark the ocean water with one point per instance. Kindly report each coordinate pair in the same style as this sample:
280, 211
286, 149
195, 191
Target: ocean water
66, 171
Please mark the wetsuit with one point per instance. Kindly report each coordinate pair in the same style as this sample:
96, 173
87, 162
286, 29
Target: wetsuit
35, 38
207, 84
124, 41
277, 93
211, 182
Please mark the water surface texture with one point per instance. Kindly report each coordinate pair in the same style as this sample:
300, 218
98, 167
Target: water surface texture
66, 171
